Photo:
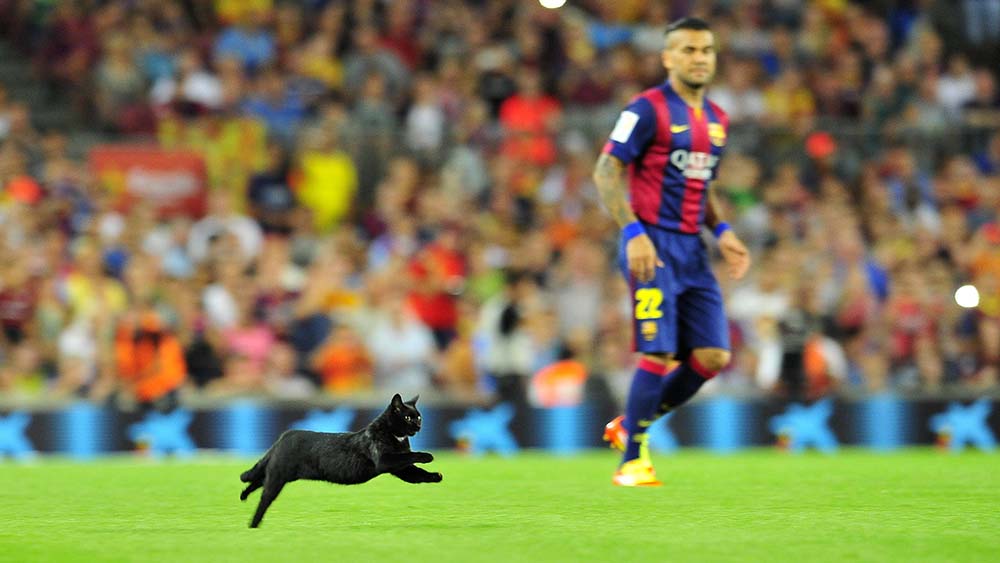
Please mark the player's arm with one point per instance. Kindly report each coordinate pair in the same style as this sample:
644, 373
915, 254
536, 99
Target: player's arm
734, 252
612, 183
634, 130
611, 178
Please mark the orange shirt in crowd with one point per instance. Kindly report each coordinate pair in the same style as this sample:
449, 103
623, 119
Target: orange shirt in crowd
154, 364
344, 367
526, 122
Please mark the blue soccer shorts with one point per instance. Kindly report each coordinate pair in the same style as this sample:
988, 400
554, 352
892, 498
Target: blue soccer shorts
681, 308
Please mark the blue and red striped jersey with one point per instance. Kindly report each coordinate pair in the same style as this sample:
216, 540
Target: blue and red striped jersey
672, 151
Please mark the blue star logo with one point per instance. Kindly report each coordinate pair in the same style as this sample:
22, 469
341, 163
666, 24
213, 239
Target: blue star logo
164, 433
12, 438
965, 425
486, 430
806, 426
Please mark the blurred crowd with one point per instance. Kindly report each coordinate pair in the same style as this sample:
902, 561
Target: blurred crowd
419, 215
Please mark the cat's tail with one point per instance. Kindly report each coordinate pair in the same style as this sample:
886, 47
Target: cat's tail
256, 473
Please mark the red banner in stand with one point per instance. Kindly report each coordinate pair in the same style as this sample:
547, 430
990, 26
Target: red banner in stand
174, 181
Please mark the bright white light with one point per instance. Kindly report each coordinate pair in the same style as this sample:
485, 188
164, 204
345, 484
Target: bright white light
967, 296
552, 4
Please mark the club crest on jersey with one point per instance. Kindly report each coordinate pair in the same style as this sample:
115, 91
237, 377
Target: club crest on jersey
695, 165
648, 329
717, 134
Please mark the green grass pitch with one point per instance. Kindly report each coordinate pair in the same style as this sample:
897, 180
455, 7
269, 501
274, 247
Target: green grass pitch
917, 505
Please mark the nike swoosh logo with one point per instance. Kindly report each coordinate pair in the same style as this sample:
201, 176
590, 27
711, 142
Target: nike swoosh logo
679, 128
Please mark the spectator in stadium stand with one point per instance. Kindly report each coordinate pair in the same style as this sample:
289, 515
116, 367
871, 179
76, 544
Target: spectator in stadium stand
120, 88
957, 86
437, 275
374, 121
68, 47
18, 297
224, 219
911, 190
325, 178
248, 40
580, 275
982, 112
738, 92
282, 379
21, 134
507, 351
369, 57
988, 160
343, 362
277, 105
245, 349
312, 316
149, 361
270, 199
316, 58
402, 347
191, 90
425, 121
530, 119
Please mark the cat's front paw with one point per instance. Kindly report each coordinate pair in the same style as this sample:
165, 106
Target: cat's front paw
435, 478
424, 457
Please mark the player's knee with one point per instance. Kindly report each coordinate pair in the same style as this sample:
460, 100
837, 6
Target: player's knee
713, 359
655, 363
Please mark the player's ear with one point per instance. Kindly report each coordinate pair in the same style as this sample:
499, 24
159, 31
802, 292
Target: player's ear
665, 53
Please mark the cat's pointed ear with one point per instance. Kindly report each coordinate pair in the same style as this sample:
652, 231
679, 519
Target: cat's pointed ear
413, 402
397, 401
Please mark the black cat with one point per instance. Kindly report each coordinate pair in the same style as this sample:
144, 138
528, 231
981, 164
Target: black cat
346, 458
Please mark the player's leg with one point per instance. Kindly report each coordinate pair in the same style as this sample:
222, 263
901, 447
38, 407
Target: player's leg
615, 433
684, 381
641, 405
654, 326
704, 331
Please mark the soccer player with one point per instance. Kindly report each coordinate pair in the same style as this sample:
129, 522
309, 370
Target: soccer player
653, 176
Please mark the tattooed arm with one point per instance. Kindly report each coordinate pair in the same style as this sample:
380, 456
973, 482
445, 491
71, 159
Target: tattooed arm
612, 183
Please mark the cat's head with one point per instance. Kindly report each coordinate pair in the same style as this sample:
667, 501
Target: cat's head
404, 418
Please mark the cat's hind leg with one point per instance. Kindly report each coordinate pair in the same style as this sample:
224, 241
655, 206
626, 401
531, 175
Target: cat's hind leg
256, 473
271, 489
251, 488
255, 476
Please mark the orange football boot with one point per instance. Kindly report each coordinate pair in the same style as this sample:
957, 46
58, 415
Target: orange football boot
615, 434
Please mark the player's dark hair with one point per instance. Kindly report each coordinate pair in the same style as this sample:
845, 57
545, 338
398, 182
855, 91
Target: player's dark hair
695, 24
